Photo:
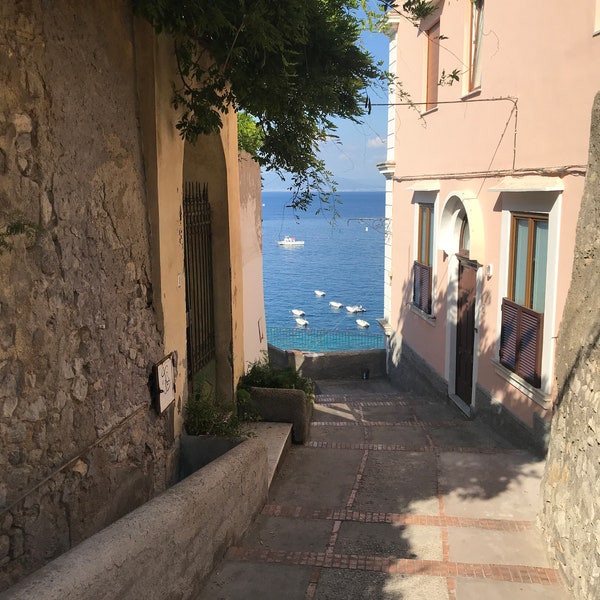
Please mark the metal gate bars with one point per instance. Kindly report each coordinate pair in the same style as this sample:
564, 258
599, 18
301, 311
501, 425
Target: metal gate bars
199, 277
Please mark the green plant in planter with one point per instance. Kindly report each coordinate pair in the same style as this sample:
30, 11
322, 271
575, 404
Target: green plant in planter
280, 395
204, 417
262, 374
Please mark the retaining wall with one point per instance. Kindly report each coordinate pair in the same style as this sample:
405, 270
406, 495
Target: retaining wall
331, 365
165, 548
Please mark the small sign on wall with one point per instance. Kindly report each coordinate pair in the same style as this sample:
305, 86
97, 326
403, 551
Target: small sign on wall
164, 382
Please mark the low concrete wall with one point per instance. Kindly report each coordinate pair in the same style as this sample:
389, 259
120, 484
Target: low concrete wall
284, 406
165, 548
331, 365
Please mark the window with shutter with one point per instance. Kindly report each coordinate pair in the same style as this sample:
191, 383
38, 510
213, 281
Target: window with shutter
422, 268
521, 341
523, 311
422, 286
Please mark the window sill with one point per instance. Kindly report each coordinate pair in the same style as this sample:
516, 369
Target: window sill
596, 33
429, 319
471, 94
537, 395
429, 112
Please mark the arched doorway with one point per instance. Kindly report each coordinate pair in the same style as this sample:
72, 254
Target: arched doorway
460, 229
208, 273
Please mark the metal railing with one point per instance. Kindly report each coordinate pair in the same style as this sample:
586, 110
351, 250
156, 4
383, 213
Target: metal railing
324, 340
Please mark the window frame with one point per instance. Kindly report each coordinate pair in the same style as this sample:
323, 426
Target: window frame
540, 195
530, 262
422, 270
522, 328
475, 42
433, 66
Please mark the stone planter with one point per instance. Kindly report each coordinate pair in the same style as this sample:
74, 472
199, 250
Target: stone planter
284, 406
196, 451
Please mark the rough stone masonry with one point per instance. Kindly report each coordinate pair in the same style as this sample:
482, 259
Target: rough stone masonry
571, 511
79, 443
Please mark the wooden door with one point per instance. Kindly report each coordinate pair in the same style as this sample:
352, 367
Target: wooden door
465, 330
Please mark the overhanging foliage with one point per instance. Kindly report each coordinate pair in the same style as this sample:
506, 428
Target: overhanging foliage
293, 65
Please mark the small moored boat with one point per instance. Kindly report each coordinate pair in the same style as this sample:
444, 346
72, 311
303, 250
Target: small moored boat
362, 323
297, 312
290, 241
301, 322
355, 308
334, 304
319, 293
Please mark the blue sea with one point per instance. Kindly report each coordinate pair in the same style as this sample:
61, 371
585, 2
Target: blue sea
342, 256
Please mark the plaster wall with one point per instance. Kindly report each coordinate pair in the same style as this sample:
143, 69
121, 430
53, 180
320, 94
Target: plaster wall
540, 53
163, 160
169, 161
445, 152
255, 338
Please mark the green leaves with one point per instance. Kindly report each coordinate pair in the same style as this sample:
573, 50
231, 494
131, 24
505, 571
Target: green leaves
292, 65
250, 137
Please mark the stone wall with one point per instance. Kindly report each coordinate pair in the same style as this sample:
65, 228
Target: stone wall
571, 510
167, 547
79, 443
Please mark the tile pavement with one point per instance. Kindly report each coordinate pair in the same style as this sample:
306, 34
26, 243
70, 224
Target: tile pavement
394, 496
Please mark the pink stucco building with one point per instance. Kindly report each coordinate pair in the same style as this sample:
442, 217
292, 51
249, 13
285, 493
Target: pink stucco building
484, 179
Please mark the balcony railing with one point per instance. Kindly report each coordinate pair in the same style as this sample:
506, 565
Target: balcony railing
324, 340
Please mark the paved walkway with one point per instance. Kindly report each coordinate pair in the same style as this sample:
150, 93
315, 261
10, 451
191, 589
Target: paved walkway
394, 497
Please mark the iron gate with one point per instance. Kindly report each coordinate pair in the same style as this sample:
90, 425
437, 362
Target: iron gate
198, 277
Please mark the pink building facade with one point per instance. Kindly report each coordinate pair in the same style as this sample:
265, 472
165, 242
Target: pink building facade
484, 179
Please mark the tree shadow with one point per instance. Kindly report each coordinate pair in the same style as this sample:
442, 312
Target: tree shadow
411, 466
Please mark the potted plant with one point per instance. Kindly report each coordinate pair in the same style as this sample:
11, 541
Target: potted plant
210, 431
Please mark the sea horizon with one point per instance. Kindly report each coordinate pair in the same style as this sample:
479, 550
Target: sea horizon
344, 257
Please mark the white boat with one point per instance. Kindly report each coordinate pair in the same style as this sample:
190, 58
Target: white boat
301, 322
334, 304
355, 308
290, 241
362, 323
297, 312
319, 292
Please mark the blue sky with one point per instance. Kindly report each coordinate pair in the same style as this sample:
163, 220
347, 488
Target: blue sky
359, 147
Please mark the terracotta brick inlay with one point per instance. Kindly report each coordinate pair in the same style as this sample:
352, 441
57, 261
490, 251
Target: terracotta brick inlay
311, 589
411, 422
386, 400
445, 568
405, 448
403, 566
279, 510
